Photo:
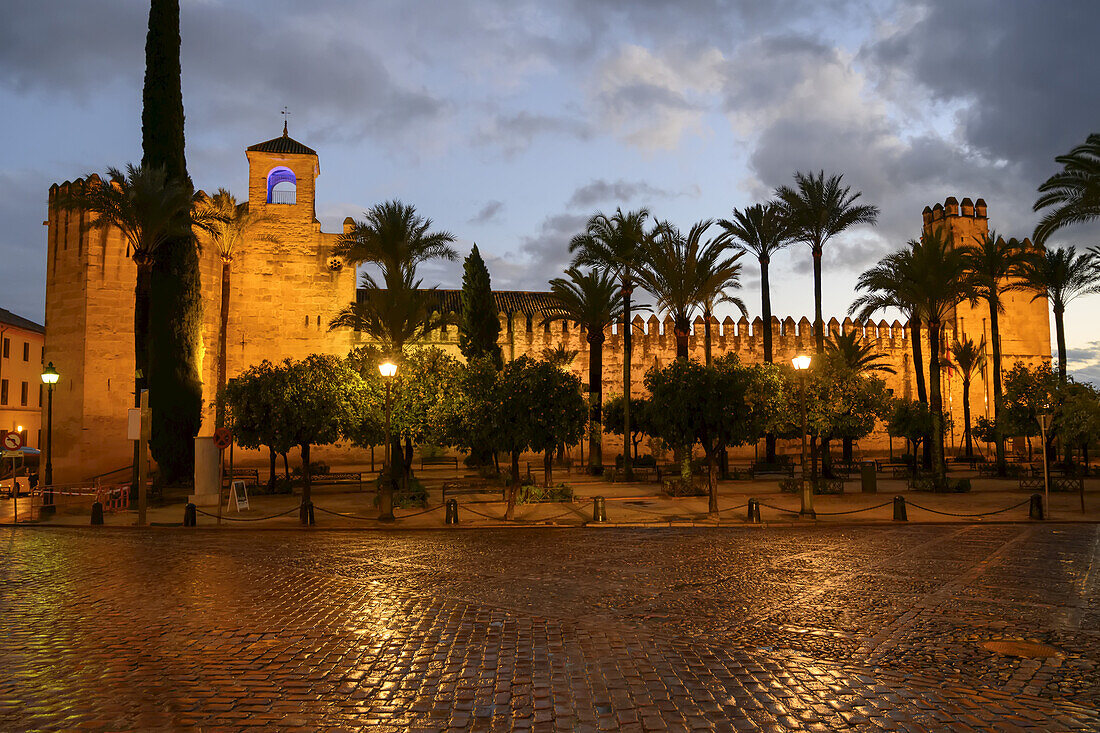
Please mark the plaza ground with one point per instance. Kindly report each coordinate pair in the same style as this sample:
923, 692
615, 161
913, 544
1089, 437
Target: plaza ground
849, 628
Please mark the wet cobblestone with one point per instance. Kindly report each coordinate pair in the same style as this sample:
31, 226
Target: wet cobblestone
487, 630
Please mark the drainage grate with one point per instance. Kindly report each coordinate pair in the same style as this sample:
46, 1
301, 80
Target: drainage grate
1014, 648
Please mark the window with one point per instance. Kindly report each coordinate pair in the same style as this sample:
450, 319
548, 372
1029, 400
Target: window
23, 390
40, 392
26, 351
282, 186
7, 346
3, 391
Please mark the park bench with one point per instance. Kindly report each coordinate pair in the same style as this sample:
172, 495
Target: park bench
350, 477
248, 475
460, 488
767, 471
1057, 483
821, 486
641, 473
450, 461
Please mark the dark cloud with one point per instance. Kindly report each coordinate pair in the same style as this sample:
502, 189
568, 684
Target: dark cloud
1022, 72
514, 132
489, 212
613, 192
23, 243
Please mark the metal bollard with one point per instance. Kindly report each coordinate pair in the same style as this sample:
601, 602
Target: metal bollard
754, 511
599, 510
452, 511
899, 509
190, 516
97, 513
305, 513
1035, 510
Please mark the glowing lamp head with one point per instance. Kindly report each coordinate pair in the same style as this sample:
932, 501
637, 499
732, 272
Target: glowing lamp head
801, 362
387, 369
18, 428
50, 375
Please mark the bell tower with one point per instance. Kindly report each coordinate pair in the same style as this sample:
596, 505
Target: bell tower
282, 174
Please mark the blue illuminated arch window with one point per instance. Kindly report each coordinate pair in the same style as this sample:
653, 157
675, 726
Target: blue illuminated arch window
282, 186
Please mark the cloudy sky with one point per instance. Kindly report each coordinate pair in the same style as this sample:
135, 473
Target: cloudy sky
508, 122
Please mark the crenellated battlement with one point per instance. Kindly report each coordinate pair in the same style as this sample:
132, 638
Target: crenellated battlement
951, 208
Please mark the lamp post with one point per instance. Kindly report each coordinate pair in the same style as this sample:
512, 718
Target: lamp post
49, 378
1044, 425
387, 370
801, 364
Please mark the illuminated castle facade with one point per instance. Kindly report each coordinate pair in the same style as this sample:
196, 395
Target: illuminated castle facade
285, 286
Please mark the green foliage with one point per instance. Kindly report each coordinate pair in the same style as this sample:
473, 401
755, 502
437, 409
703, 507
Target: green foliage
479, 326
162, 139
253, 404
558, 412
1073, 193
711, 405
1078, 421
415, 497
985, 430
640, 424
175, 345
912, 419
468, 418
1028, 391
531, 494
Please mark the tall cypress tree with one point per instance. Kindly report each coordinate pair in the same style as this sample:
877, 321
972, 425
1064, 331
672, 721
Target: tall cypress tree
175, 334
479, 328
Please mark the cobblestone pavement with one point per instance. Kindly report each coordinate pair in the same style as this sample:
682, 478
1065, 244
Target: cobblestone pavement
614, 629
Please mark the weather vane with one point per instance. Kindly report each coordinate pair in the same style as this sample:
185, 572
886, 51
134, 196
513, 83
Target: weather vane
286, 114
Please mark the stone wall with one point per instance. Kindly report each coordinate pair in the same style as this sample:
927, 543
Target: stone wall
285, 287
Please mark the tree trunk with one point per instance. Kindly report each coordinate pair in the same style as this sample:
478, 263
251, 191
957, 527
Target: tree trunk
223, 338
813, 458
595, 402
141, 348
286, 467
848, 450
712, 485
706, 336
966, 418
826, 459
513, 486
998, 395
939, 469
271, 469
407, 474
681, 342
547, 470
306, 485
628, 468
819, 325
766, 312
922, 392
723, 463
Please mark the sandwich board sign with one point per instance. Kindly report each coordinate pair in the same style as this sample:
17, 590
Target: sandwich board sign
238, 495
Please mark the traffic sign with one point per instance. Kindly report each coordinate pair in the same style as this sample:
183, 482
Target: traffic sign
222, 438
11, 441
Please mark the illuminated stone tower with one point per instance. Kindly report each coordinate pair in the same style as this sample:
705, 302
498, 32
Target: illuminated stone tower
1024, 325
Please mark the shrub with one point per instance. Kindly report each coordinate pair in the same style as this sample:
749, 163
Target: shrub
679, 487
316, 468
416, 497
540, 494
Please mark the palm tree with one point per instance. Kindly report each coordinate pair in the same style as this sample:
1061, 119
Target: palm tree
851, 352
891, 284
396, 311
991, 261
590, 300
1060, 275
559, 356
715, 274
146, 208
763, 230
617, 244
396, 239
818, 208
235, 223
1074, 192
969, 360
856, 354
941, 282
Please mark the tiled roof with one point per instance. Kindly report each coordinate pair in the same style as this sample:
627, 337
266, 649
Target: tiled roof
10, 319
527, 302
284, 145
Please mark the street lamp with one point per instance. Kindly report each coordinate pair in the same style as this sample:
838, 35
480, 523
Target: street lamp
387, 369
801, 364
1044, 418
49, 378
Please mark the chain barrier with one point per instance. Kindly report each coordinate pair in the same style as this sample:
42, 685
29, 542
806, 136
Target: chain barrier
981, 514
829, 514
346, 516
247, 519
526, 521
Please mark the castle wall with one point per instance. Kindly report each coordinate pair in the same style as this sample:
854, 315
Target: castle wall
285, 288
